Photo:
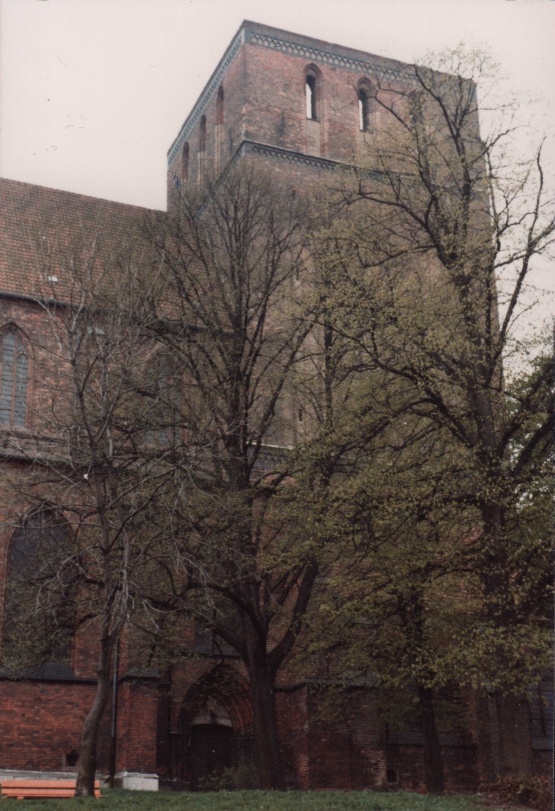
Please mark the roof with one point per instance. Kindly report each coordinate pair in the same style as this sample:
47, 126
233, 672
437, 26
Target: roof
42, 228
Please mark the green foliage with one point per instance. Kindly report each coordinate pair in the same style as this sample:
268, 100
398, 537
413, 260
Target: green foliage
534, 792
439, 489
235, 778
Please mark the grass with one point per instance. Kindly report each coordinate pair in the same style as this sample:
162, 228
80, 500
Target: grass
118, 800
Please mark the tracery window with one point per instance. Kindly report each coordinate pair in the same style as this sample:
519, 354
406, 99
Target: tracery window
13, 378
42, 578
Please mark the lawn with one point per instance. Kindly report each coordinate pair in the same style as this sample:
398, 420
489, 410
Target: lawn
257, 800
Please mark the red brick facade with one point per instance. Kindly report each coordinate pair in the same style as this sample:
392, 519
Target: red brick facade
255, 106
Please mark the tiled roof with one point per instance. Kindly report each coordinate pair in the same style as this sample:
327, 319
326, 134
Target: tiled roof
42, 229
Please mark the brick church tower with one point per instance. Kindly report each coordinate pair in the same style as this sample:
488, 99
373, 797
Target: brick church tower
302, 109
299, 104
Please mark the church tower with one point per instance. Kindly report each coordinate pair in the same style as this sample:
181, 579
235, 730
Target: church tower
301, 104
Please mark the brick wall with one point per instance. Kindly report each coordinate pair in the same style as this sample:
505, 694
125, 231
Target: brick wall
293, 730
345, 750
265, 102
405, 763
40, 723
137, 725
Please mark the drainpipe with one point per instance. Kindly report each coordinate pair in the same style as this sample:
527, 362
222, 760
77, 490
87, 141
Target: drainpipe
114, 723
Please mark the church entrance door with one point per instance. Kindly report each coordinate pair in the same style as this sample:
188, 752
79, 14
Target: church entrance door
210, 753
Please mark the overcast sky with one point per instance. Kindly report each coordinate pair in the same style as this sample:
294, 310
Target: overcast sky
93, 92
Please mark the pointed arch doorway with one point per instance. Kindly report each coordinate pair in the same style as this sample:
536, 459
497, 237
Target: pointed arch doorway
215, 728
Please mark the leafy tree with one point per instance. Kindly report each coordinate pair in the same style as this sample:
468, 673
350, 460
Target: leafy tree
435, 230
392, 603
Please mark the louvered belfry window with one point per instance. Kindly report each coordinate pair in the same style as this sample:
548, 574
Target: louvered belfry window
13, 379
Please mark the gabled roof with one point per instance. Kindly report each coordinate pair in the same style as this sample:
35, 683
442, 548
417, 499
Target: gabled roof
42, 228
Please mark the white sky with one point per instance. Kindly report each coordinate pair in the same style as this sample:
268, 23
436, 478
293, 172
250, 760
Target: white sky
93, 92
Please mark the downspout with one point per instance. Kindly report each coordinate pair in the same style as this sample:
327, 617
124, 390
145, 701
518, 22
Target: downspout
114, 722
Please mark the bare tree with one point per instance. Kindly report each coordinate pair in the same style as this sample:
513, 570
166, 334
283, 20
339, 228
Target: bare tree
235, 323
95, 462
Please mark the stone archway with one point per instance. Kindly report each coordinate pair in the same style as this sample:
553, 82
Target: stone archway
215, 728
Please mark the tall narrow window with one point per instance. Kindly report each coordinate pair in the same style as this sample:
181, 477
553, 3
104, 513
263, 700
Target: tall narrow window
365, 105
201, 151
13, 379
220, 107
363, 110
311, 96
219, 130
313, 130
416, 113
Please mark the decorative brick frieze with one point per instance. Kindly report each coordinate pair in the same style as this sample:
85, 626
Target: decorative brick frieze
327, 56
297, 158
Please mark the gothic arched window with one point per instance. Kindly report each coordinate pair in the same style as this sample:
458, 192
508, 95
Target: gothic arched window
14, 372
220, 106
185, 163
363, 110
365, 106
42, 579
312, 93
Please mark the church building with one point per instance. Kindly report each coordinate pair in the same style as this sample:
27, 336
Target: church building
301, 108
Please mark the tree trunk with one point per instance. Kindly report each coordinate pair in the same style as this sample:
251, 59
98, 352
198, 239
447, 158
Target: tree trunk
433, 760
515, 736
513, 741
268, 753
487, 738
89, 736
